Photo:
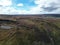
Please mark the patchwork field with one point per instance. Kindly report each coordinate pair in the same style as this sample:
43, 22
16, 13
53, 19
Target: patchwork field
29, 30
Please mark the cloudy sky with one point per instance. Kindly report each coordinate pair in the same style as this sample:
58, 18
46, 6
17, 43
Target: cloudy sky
29, 6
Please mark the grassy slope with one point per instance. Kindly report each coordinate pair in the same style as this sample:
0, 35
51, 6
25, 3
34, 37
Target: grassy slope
32, 31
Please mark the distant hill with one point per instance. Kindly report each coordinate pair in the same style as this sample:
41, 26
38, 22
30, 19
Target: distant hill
54, 15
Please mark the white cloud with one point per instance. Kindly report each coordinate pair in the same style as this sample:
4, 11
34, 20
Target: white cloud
5, 2
47, 4
20, 4
11, 10
5, 7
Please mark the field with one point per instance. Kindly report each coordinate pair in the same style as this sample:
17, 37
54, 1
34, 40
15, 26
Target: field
29, 30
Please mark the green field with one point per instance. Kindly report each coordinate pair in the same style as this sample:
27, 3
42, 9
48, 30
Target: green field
30, 31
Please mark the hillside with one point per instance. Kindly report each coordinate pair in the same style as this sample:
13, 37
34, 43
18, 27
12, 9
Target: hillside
29, 30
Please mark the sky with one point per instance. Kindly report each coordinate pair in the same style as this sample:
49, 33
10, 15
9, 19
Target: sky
29, 6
